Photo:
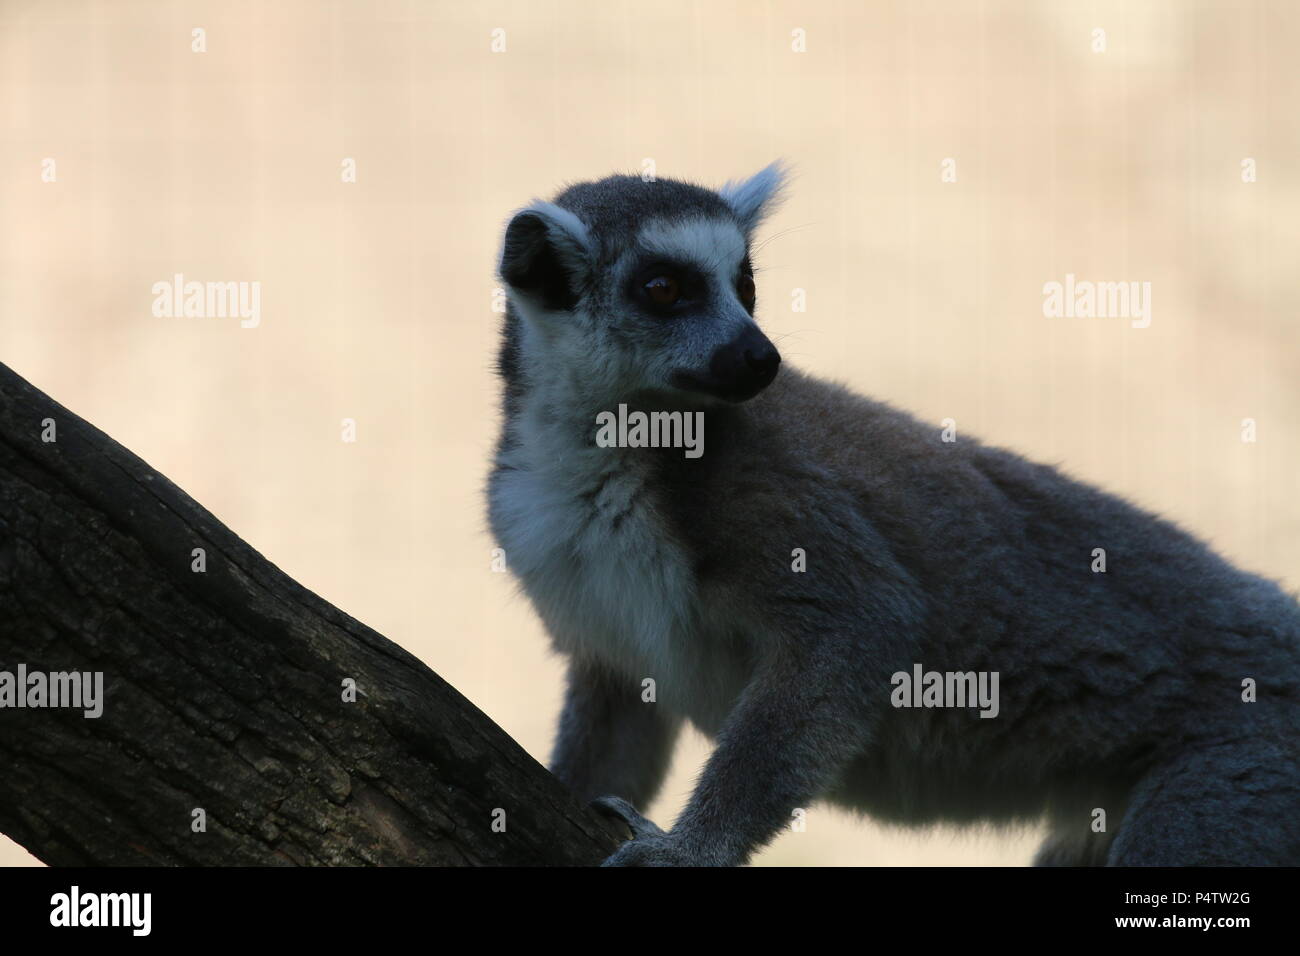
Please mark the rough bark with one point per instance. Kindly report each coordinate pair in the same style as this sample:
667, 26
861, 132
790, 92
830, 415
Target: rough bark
224, 691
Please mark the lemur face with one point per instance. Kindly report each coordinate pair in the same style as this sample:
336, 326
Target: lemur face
628, 287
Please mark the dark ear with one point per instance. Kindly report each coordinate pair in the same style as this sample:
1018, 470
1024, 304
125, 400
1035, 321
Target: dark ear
753, 199
546, 255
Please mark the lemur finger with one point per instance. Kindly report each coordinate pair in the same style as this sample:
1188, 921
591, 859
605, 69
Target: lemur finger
619, 808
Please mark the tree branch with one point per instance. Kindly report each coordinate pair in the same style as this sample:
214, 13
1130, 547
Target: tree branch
223, 691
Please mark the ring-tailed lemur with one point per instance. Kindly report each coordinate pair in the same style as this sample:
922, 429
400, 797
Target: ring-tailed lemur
782, 587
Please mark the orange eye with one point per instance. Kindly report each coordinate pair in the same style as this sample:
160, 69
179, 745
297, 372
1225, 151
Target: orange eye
745, 289
663, 290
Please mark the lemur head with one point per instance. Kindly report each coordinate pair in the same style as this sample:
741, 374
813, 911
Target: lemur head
626, 286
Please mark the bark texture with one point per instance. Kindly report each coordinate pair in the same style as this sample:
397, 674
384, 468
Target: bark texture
223, 691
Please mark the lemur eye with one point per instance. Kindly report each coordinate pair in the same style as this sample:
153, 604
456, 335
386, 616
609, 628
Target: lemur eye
663, 290
745, 289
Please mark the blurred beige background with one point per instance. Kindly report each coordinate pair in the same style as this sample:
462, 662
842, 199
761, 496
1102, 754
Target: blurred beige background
1120, 165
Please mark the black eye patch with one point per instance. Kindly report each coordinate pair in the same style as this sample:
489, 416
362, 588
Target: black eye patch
648, 281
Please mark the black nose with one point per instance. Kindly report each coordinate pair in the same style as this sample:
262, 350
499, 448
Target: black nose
738, 370
763, 362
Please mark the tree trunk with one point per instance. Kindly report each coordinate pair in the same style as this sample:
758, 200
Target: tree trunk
224, 691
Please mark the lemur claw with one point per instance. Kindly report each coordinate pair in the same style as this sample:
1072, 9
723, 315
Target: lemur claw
649, 846
620, 809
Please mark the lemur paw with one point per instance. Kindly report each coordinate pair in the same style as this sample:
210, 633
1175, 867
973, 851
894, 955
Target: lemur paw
649, 846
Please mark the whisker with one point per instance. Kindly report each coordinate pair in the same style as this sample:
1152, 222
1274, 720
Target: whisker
781, 234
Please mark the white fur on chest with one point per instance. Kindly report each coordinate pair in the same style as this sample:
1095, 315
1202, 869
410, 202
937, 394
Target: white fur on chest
580, 530
584, 529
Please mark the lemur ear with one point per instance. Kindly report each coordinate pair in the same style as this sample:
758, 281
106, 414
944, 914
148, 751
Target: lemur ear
753, 199
546, 254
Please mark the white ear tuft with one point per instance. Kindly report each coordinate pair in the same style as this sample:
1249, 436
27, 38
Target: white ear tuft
755, 198
563, 221
546, 253
543, 223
